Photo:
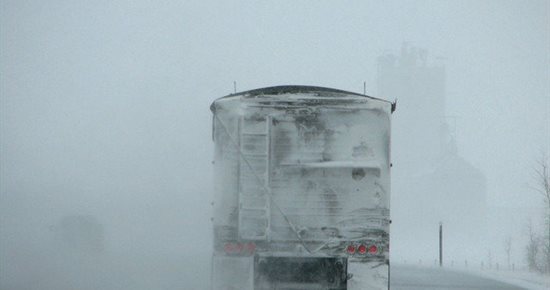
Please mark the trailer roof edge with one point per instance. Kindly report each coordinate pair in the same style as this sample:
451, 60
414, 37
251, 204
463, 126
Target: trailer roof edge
285, 89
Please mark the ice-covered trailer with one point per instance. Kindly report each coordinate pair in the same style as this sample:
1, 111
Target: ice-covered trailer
302, 190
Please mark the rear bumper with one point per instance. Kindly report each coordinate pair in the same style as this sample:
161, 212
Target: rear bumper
268, 272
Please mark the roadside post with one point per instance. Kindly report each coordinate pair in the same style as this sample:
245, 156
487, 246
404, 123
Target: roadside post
440, 244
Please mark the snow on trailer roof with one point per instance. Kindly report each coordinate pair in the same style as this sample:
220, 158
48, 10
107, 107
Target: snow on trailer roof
296, 89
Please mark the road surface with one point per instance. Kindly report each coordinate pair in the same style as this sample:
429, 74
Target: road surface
112, 271
417, 278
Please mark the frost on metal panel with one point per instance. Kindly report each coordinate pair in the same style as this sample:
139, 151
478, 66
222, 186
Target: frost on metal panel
302, 173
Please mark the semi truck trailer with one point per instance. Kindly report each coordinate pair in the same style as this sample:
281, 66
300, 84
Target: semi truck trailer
302, 189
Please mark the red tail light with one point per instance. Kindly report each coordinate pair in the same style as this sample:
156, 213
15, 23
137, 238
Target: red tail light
251, 247
236, 248
362, 249
228, 248
373, 249
351, 249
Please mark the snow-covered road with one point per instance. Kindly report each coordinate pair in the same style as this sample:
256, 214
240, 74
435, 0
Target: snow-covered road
417, 278
153, 271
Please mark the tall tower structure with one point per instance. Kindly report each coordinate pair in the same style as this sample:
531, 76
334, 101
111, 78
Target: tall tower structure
420, 91
431, 182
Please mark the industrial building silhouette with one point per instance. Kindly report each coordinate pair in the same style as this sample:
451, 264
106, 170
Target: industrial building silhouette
431, 181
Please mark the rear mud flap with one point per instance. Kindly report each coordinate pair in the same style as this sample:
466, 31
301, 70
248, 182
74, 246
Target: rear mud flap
369, 275
232, 273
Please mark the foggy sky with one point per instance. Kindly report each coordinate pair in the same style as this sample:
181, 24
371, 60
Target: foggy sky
105, 104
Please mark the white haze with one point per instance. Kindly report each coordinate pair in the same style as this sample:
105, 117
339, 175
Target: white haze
105, 112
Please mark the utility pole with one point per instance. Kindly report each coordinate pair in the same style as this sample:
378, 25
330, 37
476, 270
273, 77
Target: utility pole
440, 244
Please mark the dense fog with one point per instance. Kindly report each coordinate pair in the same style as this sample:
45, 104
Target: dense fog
106, 142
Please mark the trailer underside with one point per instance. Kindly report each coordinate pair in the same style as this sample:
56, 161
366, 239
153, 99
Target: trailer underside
295, 273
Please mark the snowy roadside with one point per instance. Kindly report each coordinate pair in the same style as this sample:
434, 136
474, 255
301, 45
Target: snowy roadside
527, 280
